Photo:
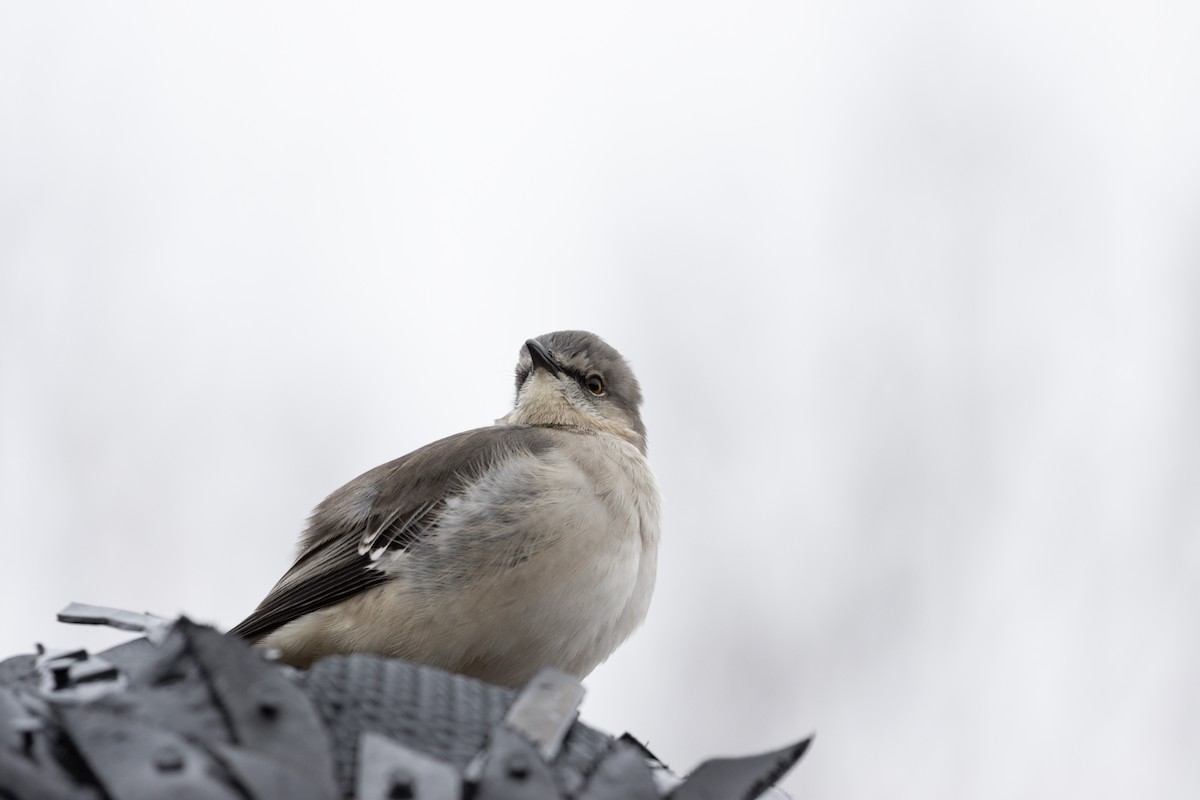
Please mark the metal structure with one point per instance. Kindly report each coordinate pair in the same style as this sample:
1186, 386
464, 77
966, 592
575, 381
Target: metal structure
188, 713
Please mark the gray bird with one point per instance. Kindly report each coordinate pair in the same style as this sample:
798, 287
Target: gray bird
493, 552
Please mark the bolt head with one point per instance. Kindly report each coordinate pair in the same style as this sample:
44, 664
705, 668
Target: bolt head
168, 759
401, 785
518, 766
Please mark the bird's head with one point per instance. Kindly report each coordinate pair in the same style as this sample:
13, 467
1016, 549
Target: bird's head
574, 379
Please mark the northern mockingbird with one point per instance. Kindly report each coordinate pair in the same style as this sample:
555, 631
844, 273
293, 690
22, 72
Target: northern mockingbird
493, 552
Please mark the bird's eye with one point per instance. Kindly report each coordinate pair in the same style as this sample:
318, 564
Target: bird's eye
595, 385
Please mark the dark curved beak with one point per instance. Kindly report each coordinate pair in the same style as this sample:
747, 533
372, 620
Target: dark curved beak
541, 357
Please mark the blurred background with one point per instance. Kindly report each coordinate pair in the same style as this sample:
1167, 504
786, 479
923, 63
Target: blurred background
912, 290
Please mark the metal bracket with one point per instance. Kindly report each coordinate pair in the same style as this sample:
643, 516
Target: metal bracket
545, 710
514, 770
73, 675
623, 774
134, 760
747, 777
387, 770
276, 729
155, 628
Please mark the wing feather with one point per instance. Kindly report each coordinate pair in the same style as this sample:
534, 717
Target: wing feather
385, 509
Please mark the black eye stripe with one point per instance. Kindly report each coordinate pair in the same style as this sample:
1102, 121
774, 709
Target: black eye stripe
579, 376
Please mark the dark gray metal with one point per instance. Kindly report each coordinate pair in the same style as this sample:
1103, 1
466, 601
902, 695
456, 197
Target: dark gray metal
269, 717
388, 770
155, 628
27, 779
170, 688
267, 778
514, 770
29, 766
94, 670
546, 709
136, 761
624, 774
54, 667
261, 731
74, 676
201, 716
16, 723
739, 778
69, 654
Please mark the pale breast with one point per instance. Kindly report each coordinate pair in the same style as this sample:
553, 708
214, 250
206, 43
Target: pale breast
576, 531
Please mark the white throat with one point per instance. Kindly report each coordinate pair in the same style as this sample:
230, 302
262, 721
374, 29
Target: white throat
542, 400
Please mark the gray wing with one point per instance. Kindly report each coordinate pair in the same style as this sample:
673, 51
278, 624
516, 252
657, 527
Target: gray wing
388, 508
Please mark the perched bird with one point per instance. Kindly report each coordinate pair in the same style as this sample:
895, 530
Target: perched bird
493, 552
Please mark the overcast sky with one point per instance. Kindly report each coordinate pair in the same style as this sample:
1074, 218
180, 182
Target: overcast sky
912, 289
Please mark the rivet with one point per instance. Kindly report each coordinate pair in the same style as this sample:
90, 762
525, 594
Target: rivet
27, 727
517, 766
169, 677
168, 759
61, 673
401, 785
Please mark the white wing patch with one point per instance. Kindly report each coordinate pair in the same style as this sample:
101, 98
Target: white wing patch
378, 541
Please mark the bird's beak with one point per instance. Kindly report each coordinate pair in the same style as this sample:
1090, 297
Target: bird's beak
541, 357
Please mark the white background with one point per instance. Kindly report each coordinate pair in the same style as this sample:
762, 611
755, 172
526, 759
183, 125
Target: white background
912, 290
